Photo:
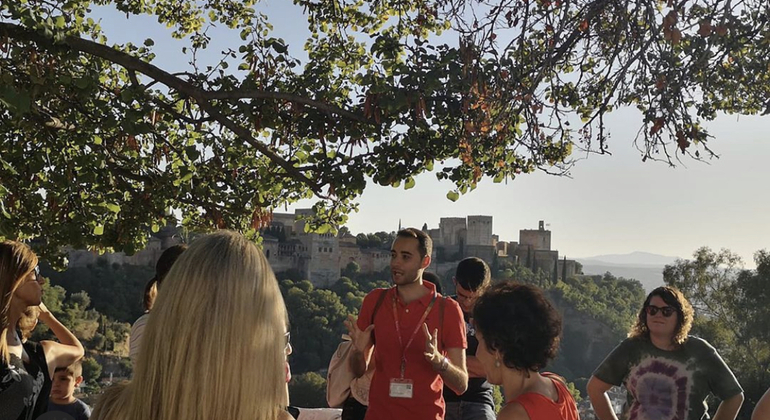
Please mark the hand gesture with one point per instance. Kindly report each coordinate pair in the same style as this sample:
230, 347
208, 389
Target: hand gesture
362, 340
432, 354
43, 308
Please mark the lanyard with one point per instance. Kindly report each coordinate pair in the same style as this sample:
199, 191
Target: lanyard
417, 328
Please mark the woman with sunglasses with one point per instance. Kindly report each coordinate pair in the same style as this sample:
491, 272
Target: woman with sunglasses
26, 367
667, 373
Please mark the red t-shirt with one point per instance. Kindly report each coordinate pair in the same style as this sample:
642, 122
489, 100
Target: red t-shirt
427, 402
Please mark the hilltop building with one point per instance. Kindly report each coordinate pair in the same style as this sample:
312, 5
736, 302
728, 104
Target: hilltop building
321, 257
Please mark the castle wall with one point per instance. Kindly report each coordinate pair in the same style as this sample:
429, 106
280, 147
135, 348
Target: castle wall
324, 264
544, 260
374, 260
485, 252
537, 239
571, 268
452, 231
479, 230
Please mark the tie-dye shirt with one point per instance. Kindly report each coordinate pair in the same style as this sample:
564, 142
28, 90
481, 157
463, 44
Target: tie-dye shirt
667, 385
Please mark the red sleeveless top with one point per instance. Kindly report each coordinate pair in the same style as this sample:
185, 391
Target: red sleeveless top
540, 407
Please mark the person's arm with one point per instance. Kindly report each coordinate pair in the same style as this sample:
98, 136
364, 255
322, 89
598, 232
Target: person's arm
475, 368
455, 375
729, 408
452, 367
762, 410
64, 353
597, 393
362, 344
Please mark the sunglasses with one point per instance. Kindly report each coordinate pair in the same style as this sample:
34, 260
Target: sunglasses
653, 310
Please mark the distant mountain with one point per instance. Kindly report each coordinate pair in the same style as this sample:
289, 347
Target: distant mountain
637, 258
642, 266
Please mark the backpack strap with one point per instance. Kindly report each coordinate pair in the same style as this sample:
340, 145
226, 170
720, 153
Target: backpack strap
441, 305
377, 305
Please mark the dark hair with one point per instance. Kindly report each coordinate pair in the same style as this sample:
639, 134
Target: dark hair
75, 369
162, 267
521, 323
425, 244
473, 274
433, 278
684, 314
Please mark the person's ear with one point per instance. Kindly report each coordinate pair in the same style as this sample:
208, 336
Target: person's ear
78, 381
425, 262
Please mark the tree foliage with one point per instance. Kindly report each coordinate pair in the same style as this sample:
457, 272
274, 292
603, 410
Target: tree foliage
731, 310
308, 390
98, 143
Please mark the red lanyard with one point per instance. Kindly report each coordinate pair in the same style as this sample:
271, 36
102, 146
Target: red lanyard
398, 328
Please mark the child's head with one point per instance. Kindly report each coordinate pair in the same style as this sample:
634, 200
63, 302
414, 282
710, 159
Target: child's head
65, 380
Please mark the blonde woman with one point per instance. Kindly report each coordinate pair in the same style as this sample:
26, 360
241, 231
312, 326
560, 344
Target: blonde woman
668, 374
215, 346
26, 368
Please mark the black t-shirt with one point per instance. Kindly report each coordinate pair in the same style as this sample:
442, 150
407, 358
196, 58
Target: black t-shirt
479, 390
25, 387
78, 409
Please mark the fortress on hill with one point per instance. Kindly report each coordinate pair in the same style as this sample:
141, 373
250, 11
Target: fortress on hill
321, 257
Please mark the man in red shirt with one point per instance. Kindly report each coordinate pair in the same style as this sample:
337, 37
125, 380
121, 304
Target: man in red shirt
419, 336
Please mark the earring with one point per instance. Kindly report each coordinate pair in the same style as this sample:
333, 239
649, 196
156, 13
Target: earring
497, 363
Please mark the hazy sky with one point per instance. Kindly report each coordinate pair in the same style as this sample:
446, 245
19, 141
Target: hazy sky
611, 204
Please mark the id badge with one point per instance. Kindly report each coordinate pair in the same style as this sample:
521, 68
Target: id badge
401, 388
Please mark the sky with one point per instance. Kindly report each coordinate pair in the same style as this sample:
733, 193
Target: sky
609, 205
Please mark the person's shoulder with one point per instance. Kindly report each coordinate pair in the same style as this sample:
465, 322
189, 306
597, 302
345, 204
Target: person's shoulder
451, 303
374, 294
697, 344
141, 320
513, 411
78, 402
694, 341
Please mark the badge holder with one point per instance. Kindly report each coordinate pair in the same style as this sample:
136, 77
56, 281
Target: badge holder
400, 387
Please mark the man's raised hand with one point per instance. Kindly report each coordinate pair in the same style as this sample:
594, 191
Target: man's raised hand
362, 340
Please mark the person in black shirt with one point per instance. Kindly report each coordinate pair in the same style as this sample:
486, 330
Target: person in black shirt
471, 279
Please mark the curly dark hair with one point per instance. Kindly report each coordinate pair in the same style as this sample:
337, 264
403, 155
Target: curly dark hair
521, 323
684, 313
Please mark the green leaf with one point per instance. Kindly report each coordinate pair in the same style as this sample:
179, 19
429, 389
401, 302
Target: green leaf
453, 195
149, 42
18, 101
409, 184
113, 208
99, 230
192, 153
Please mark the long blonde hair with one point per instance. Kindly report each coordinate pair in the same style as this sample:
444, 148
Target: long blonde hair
16, 262
214, 344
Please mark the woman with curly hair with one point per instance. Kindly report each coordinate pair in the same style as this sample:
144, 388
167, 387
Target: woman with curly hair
519, 332
667, 373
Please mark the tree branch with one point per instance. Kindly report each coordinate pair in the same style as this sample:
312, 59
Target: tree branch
258, 94
183, 87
